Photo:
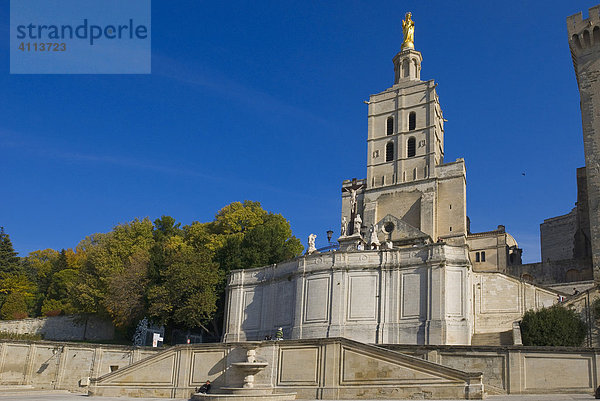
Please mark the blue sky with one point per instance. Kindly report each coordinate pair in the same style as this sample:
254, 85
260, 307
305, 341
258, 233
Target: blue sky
264, 101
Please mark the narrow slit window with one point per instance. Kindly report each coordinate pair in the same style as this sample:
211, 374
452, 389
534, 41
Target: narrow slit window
389, 152
412, 121
390, 125
411, 147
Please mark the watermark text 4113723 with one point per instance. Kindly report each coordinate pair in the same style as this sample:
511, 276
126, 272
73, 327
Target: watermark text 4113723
64, 40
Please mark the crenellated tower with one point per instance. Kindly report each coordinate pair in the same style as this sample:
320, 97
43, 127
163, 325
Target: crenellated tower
584, 42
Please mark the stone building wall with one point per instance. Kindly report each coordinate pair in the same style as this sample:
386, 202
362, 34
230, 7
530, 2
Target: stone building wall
414, 295
408, 295
557, 236
555, 271
63, 328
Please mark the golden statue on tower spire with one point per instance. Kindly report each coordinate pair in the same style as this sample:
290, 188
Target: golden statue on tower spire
408, 29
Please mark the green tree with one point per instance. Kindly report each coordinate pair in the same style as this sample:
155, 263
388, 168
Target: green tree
14, 307
253, 237
553, 326
164, 228
57, 299
9, 261
126, 290
104, 275
242, 235
39, 267
188, 293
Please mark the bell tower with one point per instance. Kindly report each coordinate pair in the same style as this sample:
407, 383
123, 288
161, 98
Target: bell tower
407, 181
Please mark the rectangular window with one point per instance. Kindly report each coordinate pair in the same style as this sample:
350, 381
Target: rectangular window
483, 256
476, 256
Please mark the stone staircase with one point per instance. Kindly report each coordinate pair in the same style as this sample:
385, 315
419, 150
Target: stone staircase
494, 339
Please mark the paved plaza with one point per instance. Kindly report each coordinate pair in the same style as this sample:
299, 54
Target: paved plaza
65, 396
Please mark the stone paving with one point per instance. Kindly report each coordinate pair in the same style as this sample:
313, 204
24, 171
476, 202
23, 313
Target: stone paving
65, 396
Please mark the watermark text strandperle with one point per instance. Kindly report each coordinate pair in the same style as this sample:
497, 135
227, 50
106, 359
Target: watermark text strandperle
83, 31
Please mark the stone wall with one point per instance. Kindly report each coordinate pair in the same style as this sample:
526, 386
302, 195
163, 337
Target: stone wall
409, 295
418, 295
62, 365
315, 369
557, 236
554, 271
500, 300
62, 328
333, 368
519, 370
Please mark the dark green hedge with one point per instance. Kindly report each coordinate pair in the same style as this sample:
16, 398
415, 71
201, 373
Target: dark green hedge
555, 326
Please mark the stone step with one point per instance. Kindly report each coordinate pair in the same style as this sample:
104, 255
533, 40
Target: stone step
493, 390
15, 387
495, 339
10, 389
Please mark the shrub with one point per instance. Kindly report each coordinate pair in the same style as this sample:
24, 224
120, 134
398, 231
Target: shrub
555, 326
52, 307
14, 307
596, 308
13, 336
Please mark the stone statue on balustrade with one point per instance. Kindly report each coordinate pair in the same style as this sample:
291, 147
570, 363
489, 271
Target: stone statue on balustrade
373, 239
344, 227
311, 244
357, 224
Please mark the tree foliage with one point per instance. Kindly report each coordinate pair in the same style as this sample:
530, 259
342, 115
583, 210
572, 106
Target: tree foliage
14, 307
170, 273
553, 326
9, 261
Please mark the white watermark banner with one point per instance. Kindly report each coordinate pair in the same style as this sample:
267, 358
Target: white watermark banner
80, 37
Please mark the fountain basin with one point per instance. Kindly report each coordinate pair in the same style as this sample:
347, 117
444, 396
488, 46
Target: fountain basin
250, 368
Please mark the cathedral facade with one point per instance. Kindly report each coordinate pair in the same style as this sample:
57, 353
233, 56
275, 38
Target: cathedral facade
408, 269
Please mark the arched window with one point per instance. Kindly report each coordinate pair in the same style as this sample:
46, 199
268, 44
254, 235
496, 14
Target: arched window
412, 121
411, 146
390, 125
572, 275
527, 277
576, 41
389, 152
586, 38
405, 68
